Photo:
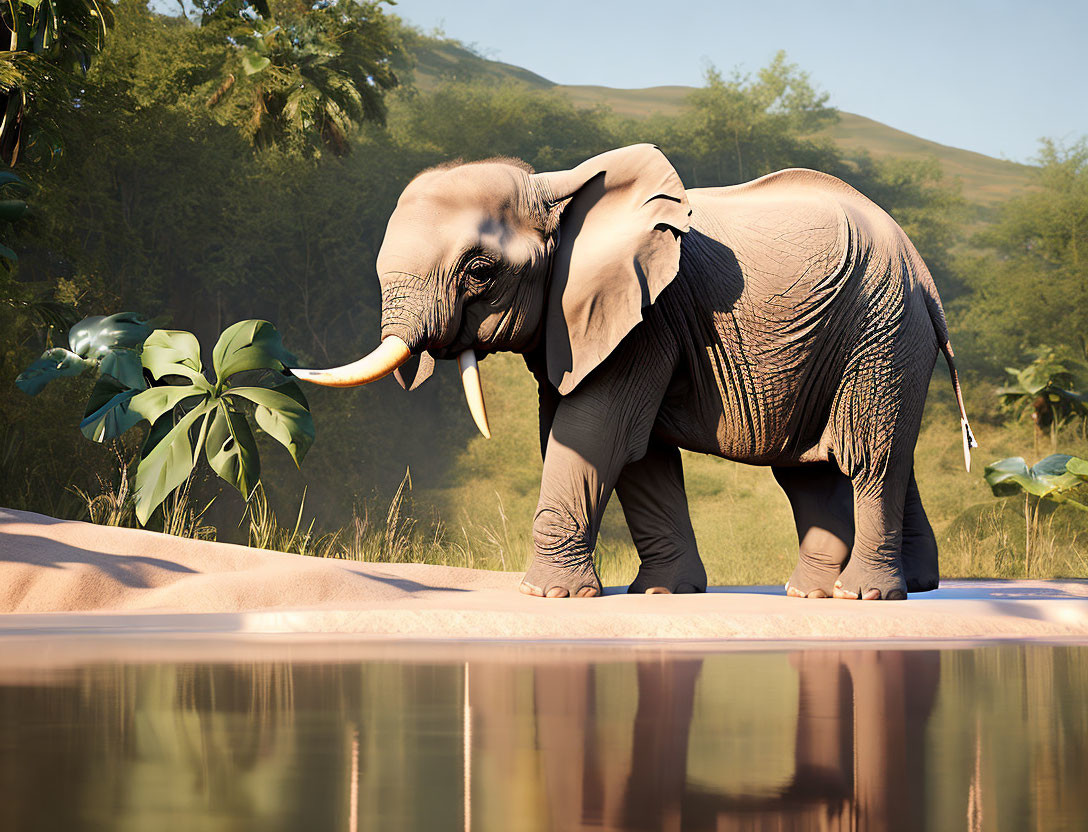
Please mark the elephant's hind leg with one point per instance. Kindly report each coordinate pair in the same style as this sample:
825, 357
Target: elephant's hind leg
919, 543
655, 504
879, 413
823, 510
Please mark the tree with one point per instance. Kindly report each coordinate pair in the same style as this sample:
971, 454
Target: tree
1030, 285
50, 42
737, 128
303, 75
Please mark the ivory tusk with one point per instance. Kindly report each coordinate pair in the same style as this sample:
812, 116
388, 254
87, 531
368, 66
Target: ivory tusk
474, 392
390, 354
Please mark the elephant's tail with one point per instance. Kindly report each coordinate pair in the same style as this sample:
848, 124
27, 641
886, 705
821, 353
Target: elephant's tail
965, 426
940, 327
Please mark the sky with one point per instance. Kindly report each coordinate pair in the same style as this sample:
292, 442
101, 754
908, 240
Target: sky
993, 77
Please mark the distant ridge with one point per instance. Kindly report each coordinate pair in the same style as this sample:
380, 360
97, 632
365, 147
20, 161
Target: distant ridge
986, 180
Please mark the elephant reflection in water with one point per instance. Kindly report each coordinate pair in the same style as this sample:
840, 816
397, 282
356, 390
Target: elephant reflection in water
857, 755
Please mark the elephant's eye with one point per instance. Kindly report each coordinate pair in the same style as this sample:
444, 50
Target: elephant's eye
478, 267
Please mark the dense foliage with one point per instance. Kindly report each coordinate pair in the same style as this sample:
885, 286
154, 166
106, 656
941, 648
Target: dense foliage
243, 164
1030, 287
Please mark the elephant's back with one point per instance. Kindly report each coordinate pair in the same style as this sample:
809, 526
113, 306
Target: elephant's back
786, 238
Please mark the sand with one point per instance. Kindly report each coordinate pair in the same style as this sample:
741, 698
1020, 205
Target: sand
62, 576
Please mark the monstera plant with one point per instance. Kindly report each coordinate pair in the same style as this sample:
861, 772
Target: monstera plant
157, 376
1052, 478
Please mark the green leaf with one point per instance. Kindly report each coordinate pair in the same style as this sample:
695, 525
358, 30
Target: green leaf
1051, 472
283, 414
95, 336
109, 412
1078, 467
123, 363
9, 178
1007, 477
55, 363
152, 403
253, 63
12, 210
167, 465
171, 352
232, 450
8, 254
249, 345
159, 429
1047, 479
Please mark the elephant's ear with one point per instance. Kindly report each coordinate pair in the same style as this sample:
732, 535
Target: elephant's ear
619, 246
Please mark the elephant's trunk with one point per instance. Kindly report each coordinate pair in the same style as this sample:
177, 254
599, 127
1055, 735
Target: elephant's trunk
390, 354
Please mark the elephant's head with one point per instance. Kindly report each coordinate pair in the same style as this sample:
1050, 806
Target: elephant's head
490, 256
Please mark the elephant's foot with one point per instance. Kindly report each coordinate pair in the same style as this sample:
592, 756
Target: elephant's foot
871, 582
921, 577
920, 568
814, 576
550, 579
677, 576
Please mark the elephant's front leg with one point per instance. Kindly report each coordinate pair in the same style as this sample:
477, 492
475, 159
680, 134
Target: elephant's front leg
597, 431
655, 504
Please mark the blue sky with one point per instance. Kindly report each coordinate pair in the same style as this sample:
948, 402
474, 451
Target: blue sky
992, 77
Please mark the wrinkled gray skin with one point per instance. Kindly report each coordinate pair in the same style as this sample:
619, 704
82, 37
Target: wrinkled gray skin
786, 322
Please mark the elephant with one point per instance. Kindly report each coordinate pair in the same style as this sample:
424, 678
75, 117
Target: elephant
786, 322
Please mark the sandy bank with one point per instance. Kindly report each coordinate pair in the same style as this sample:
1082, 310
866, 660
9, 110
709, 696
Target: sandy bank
64, 576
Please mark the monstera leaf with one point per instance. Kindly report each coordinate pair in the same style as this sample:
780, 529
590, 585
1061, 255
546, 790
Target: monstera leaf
215, 409
109, 411
55, 363
109, 345
250, 345
1048, 479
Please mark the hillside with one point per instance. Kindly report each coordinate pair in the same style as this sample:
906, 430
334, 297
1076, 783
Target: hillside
986, 181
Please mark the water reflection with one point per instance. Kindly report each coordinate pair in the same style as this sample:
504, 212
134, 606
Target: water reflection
547, 738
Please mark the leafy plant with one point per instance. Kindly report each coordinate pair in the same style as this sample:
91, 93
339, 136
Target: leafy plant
1047, 386
48, 41
312, 72
157, 376
1052, 478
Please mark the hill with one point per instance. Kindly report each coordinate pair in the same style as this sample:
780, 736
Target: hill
986, 181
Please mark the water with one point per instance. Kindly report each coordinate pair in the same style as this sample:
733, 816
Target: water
261, 734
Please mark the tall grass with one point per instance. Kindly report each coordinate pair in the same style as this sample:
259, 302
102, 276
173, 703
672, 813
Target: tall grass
115, 505
392, 534
112, 506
